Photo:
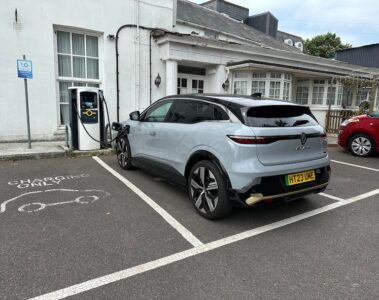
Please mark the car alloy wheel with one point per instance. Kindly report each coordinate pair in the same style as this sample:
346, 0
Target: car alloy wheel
204, 190
361, 145
123, 153
208, 190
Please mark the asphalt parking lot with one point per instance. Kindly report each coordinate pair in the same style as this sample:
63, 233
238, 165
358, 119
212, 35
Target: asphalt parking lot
86, 229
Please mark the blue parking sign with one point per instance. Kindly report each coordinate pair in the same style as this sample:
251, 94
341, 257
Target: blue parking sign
24, 68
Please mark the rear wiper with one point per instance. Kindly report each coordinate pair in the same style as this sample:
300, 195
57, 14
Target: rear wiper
300, 122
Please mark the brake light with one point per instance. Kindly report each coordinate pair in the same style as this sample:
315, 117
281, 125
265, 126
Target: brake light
249, 140
324, 141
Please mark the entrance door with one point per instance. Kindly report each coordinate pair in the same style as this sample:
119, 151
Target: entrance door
190, 84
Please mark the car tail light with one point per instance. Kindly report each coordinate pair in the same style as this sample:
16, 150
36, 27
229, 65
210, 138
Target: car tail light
249, 140
324, 140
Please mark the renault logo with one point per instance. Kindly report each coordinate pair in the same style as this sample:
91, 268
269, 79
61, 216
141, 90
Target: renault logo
303, 138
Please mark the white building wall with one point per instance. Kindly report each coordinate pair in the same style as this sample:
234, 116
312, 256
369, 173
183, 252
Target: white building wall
36, 39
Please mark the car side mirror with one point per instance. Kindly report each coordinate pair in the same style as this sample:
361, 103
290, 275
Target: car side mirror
134, 116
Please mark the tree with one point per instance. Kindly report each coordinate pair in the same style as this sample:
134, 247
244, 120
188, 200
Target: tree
325, 45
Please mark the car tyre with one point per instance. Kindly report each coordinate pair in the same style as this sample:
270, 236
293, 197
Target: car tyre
123, 153
361, 145
208, 190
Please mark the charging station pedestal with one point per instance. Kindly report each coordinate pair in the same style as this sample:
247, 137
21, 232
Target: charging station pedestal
86, 118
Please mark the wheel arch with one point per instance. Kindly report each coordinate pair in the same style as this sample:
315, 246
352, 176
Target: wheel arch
205, 155
362, 132
349, 140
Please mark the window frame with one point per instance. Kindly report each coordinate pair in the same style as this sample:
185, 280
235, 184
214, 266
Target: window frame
263, 79
71, 55
156, 106
75, 80
177, 103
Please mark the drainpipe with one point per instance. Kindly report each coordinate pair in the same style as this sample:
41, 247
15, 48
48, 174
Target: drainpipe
154, 32
137, 49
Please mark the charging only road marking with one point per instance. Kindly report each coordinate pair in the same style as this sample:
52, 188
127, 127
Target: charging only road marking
353, 165
194, 241
127, 273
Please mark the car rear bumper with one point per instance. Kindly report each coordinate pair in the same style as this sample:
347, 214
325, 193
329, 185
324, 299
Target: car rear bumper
274, 188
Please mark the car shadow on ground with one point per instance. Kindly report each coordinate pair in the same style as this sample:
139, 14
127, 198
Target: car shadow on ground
174, 199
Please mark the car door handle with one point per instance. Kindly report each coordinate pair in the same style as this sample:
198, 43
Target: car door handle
153, 133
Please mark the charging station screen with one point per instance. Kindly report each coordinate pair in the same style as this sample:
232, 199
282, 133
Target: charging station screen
88, 100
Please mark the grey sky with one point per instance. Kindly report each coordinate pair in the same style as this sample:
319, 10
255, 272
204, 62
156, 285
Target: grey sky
355, 21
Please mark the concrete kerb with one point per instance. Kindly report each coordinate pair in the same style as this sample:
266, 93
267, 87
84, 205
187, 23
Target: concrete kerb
19, 151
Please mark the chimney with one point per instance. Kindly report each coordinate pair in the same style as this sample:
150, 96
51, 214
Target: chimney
265, 22
234, 11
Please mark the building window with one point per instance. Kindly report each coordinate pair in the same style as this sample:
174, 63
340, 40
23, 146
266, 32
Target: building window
78, 55
197, 86
347, 96
258, 87
302, 92
241, 75
275, 75
362, 95
240, 87
269, 84
261, 75
339, 94
182, 86
258, 84
78, 65
318, 91
286, 91
274, 89
287, 84
331, 97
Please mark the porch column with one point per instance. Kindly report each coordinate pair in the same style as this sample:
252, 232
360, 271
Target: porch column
171, 77
216, 76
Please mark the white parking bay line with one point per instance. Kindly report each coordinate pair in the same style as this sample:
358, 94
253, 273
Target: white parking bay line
331, 197
353, 165
127, 273
194, 241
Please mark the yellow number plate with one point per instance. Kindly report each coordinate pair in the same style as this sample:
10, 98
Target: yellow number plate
297, 178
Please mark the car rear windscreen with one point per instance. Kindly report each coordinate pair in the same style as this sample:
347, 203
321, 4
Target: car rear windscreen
280, 116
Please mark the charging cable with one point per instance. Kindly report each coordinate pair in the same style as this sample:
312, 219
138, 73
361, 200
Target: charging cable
102, 99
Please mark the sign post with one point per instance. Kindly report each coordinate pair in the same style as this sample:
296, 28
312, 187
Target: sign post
24, 70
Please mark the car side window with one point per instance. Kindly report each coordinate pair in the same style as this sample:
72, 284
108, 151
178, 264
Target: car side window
158, 112
220, 114
192, 111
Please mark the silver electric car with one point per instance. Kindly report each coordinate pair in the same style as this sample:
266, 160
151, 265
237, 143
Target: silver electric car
227, 149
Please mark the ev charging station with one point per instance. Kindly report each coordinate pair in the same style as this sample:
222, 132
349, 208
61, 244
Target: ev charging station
86, 118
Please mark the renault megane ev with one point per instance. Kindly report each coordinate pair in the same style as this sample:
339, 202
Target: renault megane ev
227, 149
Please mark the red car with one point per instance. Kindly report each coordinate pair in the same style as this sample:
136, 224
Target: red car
360, 134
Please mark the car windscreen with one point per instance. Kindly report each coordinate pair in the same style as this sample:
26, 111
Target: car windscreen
280, 116
374, 114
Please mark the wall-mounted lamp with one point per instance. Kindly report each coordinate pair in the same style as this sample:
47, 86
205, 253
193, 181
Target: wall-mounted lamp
158, 80
226, 84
